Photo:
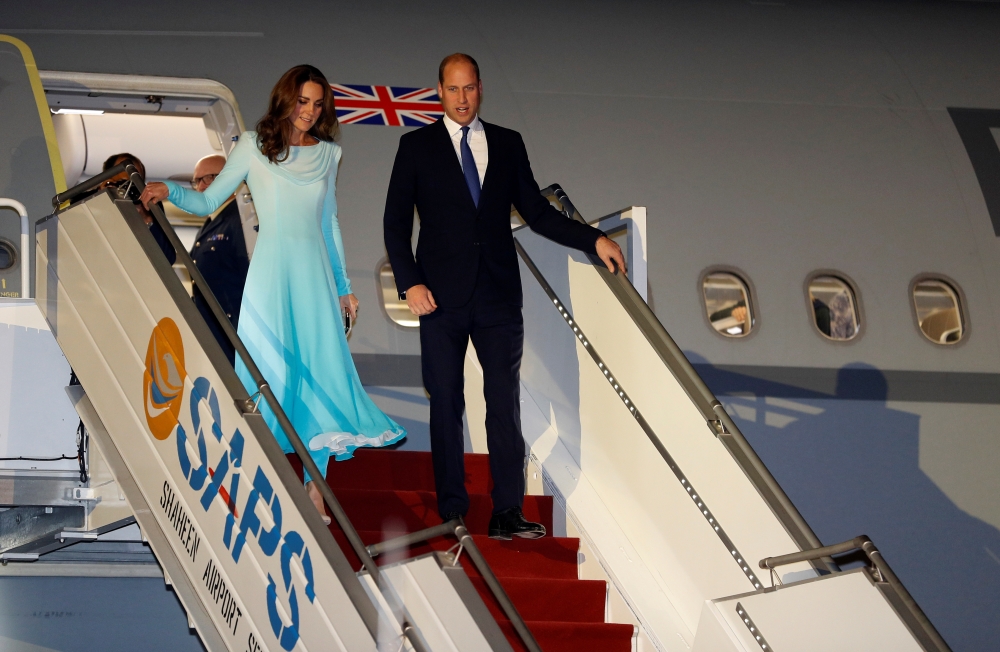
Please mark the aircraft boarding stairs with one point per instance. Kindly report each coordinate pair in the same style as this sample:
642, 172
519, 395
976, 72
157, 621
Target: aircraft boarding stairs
222, 509
676, 514
694, 533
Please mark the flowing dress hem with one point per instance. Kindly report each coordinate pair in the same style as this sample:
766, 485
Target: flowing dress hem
343, 444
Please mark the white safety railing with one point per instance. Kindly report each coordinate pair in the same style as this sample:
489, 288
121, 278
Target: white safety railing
250, 547
644, 458
25, 267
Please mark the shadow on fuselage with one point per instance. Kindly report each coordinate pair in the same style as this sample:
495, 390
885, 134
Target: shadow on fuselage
850, 463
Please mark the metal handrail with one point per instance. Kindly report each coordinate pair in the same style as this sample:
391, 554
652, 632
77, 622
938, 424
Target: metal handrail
248, 406
913, 614
726, 430
25, 271
770, 563
766, 484
699, 393
457, 528
92, 183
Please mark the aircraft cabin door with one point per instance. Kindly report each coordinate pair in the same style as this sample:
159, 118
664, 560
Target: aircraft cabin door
31, 171
224, 123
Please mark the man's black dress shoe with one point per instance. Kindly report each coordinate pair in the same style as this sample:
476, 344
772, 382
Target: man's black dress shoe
511, 523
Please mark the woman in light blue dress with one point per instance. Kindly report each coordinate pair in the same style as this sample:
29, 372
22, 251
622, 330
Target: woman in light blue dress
297, 287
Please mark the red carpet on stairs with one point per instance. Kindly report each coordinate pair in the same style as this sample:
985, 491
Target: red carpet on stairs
385, 490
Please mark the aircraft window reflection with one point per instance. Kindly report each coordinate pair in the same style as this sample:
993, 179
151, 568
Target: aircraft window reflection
939, 311
395, 308
727, 304
834, 308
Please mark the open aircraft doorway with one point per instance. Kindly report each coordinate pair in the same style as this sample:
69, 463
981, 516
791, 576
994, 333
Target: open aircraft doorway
168, 122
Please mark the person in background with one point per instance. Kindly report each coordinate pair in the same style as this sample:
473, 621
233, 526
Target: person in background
121, 180
120, 183
221, 254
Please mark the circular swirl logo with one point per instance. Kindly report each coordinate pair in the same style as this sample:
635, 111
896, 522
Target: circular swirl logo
163, 382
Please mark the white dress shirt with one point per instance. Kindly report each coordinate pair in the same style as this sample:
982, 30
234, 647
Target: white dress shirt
477, 143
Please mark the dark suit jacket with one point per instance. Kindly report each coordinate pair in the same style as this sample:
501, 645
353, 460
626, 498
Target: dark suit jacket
457, 239
221, 255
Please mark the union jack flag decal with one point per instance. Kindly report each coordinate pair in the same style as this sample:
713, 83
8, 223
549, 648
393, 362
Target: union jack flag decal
393, 106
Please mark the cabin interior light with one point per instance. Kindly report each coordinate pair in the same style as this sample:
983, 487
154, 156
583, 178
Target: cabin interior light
77, 111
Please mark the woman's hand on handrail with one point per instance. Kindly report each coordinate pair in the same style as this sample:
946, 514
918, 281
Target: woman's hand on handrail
154, 192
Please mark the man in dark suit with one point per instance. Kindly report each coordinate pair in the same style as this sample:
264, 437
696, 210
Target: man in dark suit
463, 175
221, 255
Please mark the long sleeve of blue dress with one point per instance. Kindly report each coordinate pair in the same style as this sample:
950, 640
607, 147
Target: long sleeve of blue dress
331, 232
233, 174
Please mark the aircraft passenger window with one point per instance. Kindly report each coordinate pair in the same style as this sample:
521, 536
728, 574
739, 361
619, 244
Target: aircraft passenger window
727, 304
834, 308
939, 311
395, 308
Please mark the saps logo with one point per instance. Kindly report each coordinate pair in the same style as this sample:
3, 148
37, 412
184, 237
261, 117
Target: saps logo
163, 382
207, 459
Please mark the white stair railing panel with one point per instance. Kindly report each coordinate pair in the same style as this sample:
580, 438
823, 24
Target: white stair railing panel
834, 613
637, 447
720, 484
128, 338
615, 456
663, 520
597, 522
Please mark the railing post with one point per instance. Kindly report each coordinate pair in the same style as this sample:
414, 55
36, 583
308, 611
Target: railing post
25, 251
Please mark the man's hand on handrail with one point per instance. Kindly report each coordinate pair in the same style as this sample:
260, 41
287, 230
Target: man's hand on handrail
608, 250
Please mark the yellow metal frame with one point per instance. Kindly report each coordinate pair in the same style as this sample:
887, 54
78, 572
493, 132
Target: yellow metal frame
58, 176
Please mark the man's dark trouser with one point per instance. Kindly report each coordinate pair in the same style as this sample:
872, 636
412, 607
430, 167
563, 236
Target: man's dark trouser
497, 331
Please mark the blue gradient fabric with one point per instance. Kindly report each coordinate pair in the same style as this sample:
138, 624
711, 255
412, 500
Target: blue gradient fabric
290, 316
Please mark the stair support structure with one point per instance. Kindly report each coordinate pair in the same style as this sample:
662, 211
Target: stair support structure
98, 284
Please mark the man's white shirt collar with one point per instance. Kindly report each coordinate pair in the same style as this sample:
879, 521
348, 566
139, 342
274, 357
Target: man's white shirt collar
477, 143
454, 128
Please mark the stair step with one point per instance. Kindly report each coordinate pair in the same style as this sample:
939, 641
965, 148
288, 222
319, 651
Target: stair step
548, 558
393, 491
410, 511
566, 601
573, 637
373, 468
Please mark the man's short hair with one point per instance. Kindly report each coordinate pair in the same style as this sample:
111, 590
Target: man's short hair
455, 58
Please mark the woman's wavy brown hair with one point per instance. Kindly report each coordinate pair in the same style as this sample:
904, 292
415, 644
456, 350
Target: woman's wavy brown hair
274, 130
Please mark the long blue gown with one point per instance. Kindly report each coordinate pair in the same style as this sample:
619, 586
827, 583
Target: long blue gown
290, 318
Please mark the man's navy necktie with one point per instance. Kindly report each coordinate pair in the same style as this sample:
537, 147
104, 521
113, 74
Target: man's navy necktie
469, 168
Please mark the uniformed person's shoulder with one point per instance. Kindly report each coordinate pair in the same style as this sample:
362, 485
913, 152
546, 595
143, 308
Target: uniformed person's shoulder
229, 210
